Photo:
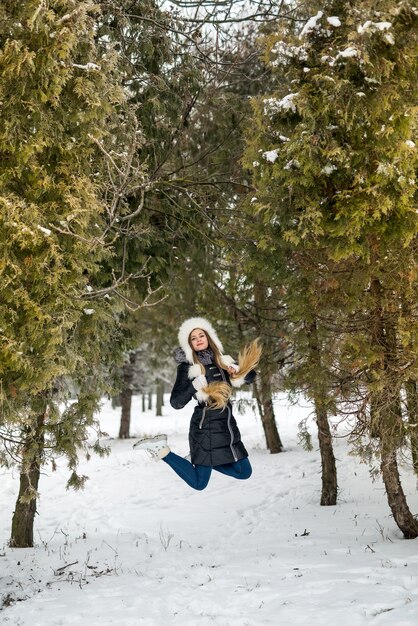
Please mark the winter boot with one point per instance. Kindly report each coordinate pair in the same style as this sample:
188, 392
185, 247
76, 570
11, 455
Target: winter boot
156, 447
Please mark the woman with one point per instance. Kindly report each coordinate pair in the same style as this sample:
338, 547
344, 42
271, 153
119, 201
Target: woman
206, 374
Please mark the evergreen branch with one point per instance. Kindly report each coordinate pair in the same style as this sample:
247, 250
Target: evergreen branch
208, 152
85, 6
184, 119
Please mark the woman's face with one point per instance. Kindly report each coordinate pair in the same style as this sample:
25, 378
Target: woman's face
198, 339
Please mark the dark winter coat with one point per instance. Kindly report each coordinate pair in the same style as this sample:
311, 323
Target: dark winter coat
214, 436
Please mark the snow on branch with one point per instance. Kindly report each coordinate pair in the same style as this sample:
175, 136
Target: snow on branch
373, 26
286, 52
311, 24
271, 155
273, 105
87, 66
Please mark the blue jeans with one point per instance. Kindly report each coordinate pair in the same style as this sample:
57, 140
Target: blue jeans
197, 476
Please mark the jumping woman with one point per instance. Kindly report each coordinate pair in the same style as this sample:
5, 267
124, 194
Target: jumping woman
207, 375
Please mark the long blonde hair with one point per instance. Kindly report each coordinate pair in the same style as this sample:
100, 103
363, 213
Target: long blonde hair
219, 392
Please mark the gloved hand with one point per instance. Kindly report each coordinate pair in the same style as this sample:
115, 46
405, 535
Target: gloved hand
199, 382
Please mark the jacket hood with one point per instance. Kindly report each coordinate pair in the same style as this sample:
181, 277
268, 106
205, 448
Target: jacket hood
187, 327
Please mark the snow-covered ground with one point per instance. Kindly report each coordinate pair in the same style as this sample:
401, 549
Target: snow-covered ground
139, 547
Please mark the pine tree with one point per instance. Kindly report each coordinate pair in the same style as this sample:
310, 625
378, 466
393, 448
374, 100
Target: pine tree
59, 92
337, 176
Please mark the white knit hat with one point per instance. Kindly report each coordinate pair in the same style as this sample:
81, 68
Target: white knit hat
188, 326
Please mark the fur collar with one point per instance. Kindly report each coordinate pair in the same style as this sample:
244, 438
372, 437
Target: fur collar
205, 356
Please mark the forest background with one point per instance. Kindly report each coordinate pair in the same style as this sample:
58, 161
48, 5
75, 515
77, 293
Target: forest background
250, 162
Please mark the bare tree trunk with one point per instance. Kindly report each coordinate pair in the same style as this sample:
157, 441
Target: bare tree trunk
125, 420
159, 398
391, 430
329, 470
412, 405
407, 523
25, 510
126, 396
150, 401
263, 383
143, 403
268, 419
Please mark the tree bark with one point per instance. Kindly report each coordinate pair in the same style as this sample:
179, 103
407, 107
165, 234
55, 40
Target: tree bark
395, 494
263, 387
268, 419
126, 396
125, 420
150, 401
391, 429
159, 398
329, 470
143, 403
25, 510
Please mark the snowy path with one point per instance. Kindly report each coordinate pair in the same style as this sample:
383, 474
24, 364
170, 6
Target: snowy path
147, 550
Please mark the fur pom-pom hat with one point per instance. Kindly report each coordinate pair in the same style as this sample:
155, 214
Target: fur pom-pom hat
188, 326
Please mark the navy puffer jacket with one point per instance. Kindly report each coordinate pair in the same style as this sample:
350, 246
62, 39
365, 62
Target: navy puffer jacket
214, 436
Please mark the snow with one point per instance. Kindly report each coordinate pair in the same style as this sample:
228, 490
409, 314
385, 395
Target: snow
43, 230
292, 164
347, 53
88, 311
139, 547
334, 21
383, 25
328, 169
410, 143
286, 52
311, 24
272, 105
384, 168
373, 26
87, 66
64, 18
271, 155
